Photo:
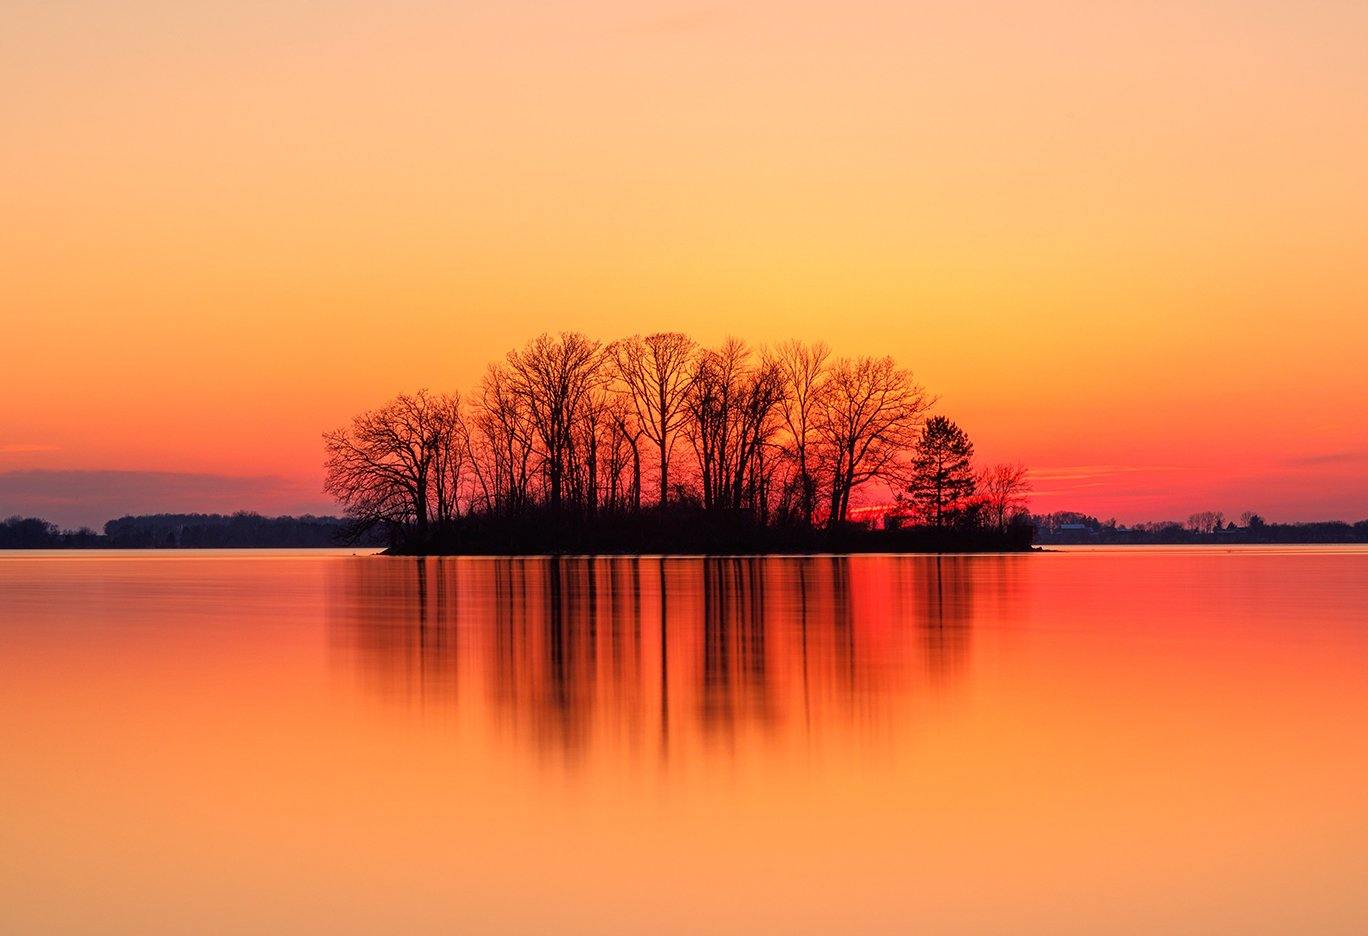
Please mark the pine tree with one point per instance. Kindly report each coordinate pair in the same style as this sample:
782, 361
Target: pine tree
942, 473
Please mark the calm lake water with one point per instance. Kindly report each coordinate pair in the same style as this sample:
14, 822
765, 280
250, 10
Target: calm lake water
1119, 741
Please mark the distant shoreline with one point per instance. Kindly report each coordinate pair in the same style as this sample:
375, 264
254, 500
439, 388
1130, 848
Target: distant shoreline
242, 530
678, 533
1339, 533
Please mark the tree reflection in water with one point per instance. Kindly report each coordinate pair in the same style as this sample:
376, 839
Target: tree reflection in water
653, 656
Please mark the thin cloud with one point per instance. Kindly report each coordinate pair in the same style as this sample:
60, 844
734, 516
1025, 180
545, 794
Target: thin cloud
1322, 459
1068, 491
89, 498
1084, 472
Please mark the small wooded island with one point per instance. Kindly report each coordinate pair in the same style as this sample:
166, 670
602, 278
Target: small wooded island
655, 444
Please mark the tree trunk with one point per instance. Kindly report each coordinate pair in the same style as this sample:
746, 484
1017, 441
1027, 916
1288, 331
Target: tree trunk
664, 471
636, 476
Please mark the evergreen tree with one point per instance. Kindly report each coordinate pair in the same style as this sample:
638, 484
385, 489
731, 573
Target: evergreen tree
942, 473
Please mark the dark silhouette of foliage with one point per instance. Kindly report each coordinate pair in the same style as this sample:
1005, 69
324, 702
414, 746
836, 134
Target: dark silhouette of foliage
28, 533
870, 412
400, 467
1069, 528
1002, 491
941, 479
802, 368
553, 451
657, 373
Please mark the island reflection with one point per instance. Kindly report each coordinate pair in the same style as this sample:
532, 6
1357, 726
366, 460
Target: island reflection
650, 656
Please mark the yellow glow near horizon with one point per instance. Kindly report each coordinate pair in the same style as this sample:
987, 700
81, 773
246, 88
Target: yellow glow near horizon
1123, 243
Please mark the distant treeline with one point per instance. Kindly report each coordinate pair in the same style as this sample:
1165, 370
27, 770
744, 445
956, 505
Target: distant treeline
658, 444
184, 531
1067, 528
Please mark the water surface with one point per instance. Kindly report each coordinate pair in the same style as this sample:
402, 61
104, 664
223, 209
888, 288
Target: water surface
1166, 740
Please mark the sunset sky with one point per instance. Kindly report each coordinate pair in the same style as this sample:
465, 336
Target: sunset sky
1123, 242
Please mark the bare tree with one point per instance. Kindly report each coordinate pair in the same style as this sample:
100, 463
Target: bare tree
802, 368
559, 429
598, 456
869, 415
627, 435
451, 462
1004, 488
616, 453
656, 372
503, 455
1206, 522
731, 408
400, 465
554, 379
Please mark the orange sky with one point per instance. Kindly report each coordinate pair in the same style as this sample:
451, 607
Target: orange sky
1122, 241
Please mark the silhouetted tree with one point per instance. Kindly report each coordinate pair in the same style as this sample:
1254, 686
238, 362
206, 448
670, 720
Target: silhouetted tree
28, 533
802, 367
941, 473
626, 454
655, 372
400, 465
1003, 488
549, 451
730, 407
554, 380
1206, 522
502, 443
869, 415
